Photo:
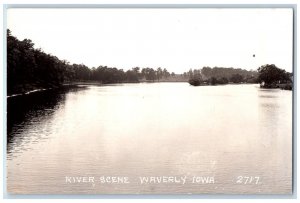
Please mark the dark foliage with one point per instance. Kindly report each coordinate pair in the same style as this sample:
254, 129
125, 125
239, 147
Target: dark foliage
29, 68
270, 74
236, 78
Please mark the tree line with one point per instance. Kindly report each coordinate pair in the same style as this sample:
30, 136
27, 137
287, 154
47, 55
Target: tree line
270, 76
29, 68
221, 75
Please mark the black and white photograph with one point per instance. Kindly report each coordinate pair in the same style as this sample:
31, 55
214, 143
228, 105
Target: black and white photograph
149, 100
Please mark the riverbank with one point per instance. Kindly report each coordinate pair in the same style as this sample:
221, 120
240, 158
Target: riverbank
83, 83
25, 89
32, 88
285, 86
29, 89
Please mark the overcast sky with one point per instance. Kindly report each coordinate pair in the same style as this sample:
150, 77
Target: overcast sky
176, 39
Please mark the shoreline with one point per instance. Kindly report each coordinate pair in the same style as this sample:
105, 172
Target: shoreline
50, 88
28, 92
104, 84
78, 84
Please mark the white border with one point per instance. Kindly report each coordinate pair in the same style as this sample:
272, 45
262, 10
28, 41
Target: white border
133, 2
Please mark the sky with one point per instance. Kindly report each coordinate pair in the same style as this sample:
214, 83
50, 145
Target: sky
176, 39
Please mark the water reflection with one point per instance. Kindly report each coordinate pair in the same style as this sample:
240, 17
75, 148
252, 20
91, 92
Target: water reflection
25, 115
152, 130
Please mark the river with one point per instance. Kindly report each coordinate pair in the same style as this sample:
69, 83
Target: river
163, 131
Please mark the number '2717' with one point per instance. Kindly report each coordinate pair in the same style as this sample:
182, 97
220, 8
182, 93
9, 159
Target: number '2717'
248, 180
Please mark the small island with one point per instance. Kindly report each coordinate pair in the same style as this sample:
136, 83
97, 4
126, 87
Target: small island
269, 76
222, 76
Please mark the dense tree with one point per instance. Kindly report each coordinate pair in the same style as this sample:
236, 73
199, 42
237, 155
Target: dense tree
197, 74
159, 73
29, 68
206, 71
166, 74
213, 81
220, 72
149, 74
223, 80
191, 74
132, 76
82, 72
185, 75
136, 71
270, 74
236, 78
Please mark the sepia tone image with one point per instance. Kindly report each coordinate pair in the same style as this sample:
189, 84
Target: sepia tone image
149, 101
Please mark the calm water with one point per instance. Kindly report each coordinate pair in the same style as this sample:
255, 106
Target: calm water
145, 130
